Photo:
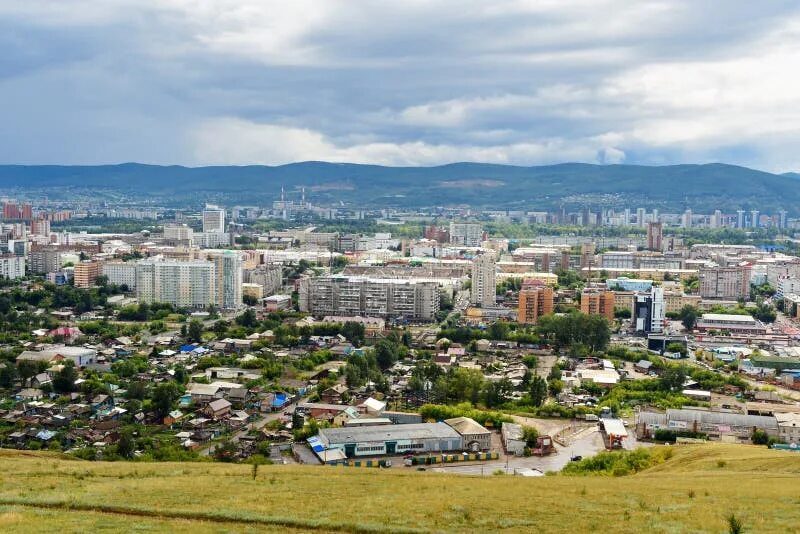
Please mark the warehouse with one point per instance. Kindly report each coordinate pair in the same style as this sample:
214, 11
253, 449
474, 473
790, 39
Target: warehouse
728, 427
390, 439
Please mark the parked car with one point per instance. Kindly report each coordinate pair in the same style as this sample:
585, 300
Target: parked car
576, 458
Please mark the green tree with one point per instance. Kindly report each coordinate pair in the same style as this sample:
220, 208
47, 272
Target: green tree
538, 390
247, 319
64, 381
673, 378
353, 332
164, 395
386, 353
688, 316
126, 445
195, 331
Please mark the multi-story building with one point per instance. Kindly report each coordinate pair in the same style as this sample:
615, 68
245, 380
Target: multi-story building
484, 285
178, 232
211, 239
121, 273
40, 227
269, 277
86, 273
598, 303
370, 297
466, 234
45, 260
185, 284
648, 311
213, 219
12, 266
534, 303
725, 282
228, 273
655, 234
629, 284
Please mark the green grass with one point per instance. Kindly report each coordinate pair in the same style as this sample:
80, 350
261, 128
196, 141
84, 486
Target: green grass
687, 492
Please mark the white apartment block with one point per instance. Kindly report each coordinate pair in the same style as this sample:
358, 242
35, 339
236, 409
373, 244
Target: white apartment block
228, 278
211, 239
12, 267
180, 232
484, 285
185, 284
370, 297
120, 273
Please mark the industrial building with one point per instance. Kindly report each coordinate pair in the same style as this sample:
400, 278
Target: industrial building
390, 439
718, 426
739, 324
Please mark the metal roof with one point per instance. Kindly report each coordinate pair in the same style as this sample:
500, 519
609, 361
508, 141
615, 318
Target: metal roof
388, 433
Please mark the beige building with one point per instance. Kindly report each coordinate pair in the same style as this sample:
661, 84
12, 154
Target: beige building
598, 303
533, 303
86, 273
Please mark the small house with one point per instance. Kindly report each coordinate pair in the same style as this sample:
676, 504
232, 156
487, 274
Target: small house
218, 409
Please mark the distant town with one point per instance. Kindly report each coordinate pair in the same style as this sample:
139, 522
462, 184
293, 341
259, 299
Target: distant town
450, 339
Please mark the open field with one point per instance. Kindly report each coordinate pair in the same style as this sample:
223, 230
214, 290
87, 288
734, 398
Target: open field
692, 492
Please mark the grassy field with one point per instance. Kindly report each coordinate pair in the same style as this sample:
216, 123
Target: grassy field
693, 491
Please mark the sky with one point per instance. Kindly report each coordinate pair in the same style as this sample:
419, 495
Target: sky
405, 82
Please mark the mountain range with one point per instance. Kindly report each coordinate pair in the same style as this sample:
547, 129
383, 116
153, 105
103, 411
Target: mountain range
700, 187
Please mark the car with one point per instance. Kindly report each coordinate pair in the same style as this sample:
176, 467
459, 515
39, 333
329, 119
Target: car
576, 458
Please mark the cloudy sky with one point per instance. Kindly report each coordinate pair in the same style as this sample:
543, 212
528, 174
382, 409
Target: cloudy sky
406, 82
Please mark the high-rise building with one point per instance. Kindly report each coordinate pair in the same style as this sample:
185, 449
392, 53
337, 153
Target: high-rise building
120, 273
213, 219
40, 227
45, 260
228, 273
598, 303
739, 218
648, 311
185, 284
754, 216
484, 286
466, 234
686, 219
86, 273
782, 219
654, 235
626, 218
12, 266
640, 217
352, 296
725, 282
534, 303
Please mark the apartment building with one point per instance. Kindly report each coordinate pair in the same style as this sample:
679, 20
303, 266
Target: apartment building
648, 311
12, 266
371, 297
484, 286
466, 234
185, 284
596, 302
725, 282
86, 273
177, 233
228, 274
43, 261
120, 273
655, 235
533, 303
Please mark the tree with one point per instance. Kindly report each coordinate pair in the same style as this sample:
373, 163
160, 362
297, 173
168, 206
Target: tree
164, 395
386, 353
126, 446
688, 316
530, 435
673, 378
298, 421
498, 392
247, 319
555, 386
353, 332
498, 330
64, 381
195, 331
250, 300
27, 369
538, 390
8, 373
760, 437
225, 451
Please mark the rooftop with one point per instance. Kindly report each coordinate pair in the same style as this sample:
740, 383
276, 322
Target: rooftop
388, 433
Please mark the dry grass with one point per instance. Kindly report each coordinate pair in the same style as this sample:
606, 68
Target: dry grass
43, 492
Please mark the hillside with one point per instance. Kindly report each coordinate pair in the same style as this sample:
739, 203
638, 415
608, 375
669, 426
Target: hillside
691, 492
701, 187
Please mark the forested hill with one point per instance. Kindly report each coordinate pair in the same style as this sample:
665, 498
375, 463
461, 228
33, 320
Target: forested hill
700, 187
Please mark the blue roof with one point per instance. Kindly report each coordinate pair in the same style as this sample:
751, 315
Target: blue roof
187, 348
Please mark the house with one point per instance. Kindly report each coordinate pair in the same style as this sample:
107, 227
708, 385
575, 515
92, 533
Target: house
643, 366
788, 427
204, 393
348, 414
334, 394
373, 407
475, 436
513, 438
40, 380
218, 409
